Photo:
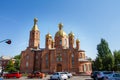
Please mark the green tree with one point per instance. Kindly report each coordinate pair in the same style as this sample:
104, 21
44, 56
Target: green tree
98, 63
117, 60
13, 66
17, 62
10, 67
104, 58
103, 49
17, 56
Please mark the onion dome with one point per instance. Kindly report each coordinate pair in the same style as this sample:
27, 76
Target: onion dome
48, 35
60, 32
77, 40
71, 34
35, 27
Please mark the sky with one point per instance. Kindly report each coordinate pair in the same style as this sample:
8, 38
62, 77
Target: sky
89, 20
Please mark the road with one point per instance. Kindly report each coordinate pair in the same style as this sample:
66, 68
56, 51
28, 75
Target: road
48, 77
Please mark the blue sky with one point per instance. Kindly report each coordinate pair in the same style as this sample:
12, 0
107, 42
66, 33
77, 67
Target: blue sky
89, 20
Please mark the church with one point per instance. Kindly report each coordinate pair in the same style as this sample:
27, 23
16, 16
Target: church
59, 53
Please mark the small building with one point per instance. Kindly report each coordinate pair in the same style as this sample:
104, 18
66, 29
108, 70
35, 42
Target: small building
59, 53
4, 61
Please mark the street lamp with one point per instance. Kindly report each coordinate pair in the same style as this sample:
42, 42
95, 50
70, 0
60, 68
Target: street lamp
8, 41
34, 62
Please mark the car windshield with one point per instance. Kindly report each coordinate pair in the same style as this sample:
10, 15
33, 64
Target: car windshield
62, 73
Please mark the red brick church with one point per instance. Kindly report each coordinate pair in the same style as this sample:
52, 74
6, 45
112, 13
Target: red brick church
59, 53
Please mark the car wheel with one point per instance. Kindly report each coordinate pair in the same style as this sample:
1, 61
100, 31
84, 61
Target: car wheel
68, 76
15, 77
59, 78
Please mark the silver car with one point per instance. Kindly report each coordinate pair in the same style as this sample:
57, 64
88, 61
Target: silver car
59, 76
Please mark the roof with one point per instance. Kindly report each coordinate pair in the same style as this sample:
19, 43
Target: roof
35, 27
60, 32
5, 57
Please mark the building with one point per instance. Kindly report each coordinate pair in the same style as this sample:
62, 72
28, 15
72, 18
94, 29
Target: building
4, 61
59, 53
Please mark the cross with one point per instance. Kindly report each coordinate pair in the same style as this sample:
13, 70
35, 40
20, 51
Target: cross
35, 20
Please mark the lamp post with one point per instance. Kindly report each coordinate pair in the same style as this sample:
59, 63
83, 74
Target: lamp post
8, 41
34, 57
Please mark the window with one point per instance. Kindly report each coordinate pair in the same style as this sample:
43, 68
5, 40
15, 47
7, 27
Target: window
60, 42
72, 56
59, 57
27, 56
36, 56
46, 59
26, 64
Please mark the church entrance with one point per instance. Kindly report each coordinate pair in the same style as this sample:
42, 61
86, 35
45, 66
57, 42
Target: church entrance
59, 67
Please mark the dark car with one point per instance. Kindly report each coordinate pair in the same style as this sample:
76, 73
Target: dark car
100, 75
94, 75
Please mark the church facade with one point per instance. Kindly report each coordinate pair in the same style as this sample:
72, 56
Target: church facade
59, 53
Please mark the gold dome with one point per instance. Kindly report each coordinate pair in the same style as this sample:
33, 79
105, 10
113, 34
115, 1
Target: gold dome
48, 35
60, 32
71, 34
77, 40
35, 27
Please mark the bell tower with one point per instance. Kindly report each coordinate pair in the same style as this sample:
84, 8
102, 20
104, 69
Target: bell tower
77, 44
34, 39
49, 41
71, 40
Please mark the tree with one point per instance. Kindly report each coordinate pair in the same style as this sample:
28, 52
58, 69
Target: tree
103, 49
17, 56
17, 62
10, 67
104, 58
117, 60
13, 66
98, 63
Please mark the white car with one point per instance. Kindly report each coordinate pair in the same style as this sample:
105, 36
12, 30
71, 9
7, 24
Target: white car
68, 74
59, 76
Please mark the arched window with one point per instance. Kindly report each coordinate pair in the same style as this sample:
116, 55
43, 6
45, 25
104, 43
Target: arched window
46, 59
60, 41
59, 57
27, 64
72, 56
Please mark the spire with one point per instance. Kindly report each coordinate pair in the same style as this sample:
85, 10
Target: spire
60, 25
35, 27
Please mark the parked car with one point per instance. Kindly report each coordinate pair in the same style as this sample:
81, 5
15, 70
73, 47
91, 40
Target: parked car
68, 74
94, 75
12, 75
100, 75
36, 74
59, 76
113, 76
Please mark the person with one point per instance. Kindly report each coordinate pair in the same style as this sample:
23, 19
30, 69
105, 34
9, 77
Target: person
1, 78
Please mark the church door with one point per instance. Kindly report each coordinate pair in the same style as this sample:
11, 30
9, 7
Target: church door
59, 67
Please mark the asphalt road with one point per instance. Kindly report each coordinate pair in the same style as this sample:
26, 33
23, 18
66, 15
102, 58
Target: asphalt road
48, 77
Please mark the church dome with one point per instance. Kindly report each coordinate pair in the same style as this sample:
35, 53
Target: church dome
71, 34
48, 35
60, 32
77, 40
